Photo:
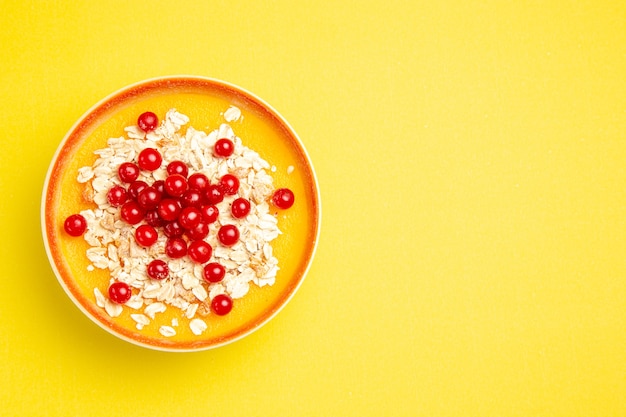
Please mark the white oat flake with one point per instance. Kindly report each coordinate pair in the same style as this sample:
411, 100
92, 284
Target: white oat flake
232, 114
100, 300
135, 302
167, 331
112, 309
197, 326
140, 319
152, 309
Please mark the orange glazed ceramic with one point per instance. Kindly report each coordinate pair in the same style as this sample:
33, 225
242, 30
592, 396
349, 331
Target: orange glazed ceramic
210, 105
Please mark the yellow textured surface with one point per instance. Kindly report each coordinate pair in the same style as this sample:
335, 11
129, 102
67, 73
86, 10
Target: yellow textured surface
471, 160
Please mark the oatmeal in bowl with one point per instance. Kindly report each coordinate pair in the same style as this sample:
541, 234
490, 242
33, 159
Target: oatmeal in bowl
181, 213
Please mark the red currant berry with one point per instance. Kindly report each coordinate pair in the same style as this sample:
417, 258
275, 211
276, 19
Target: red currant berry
191, 198
149, 159
177, 167
149, 198
146, 235
135, 188
153, 219
224, 147
228, 234
169, 209
189, 217
147, 121
158, 269
175, 247
229, 184
200, 251
214, 194
128, 172
240, 208
173, 229
117, 195
75, 225
221, 304
214, 272
176, 185
209, 213
283, 198
198, 181
119, 292
198, 232
131, 212
159, 185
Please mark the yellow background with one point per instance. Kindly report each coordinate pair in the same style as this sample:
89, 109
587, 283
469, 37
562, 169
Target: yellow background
471, 157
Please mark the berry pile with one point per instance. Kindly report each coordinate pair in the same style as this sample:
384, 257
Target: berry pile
181, 207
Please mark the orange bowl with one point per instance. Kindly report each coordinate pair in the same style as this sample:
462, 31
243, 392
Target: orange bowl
258, 289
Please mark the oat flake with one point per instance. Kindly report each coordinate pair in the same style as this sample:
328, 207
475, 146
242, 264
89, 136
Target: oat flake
167, 331
197, 326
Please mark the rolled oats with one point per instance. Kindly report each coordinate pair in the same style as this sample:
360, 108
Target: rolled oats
111, 240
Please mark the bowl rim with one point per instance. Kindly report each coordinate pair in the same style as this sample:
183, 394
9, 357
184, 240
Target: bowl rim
110, 98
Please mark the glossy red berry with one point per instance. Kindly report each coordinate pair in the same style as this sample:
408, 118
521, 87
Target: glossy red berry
176, 185
214, 194
229, 184
173, 229
135, 188
209, 213
131, 212
191, 198
189, 217
75, 225
149, 198
198, 232
176, 247
159, 185
200, 251
240, 208
158, 269
177, 167
153, 219
146, 235
198, 181
221, 304
283, 198
128, 172
120, 292
214, 272
228, 234
117, 196
169, 209
149, 159
147, 121
224, 147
